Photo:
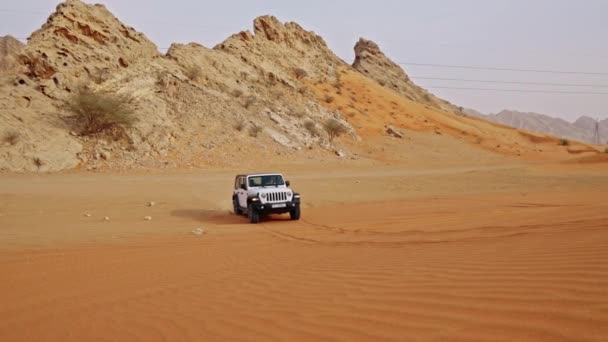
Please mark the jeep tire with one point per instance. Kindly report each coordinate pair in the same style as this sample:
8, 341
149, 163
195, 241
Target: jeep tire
252, 214
295, 213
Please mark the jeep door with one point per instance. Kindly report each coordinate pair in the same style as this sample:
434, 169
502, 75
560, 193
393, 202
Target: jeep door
242, 194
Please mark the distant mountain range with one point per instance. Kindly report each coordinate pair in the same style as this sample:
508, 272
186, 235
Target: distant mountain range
582, 129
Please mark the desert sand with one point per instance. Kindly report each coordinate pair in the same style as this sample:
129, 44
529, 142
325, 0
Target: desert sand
497, 252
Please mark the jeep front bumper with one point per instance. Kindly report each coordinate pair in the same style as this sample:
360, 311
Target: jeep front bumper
275, 208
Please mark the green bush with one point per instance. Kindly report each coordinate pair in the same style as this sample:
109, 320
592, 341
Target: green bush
564, 142
95, 112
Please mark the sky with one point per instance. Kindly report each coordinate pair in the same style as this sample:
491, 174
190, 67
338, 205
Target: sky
567, 36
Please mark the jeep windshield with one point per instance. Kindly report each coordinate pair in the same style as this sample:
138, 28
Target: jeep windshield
267, 180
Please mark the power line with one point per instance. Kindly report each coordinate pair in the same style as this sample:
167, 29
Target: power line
512, 82
505, 69
519, 90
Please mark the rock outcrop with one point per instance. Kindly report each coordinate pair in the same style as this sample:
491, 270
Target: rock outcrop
278, 49
82, 43
373, 63
10, 48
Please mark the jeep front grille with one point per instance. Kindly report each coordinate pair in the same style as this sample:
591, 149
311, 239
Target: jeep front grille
277, 196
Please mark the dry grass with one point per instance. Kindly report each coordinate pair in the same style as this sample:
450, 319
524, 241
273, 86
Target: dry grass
254, 131
311, 127
334, 129
193, 72
240, 125
11, 138
237, 93
249, 101
329, 98
95, 112
300, 73
564, 142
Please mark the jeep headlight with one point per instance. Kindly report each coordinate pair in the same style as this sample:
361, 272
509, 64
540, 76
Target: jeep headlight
296, 196
263, 195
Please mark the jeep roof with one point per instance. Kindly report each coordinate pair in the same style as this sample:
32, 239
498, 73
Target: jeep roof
259, 174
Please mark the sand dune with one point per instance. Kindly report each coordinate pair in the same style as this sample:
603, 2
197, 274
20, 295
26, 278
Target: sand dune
447, 262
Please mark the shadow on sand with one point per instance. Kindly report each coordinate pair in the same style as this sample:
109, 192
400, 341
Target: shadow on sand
221, 217
217, 217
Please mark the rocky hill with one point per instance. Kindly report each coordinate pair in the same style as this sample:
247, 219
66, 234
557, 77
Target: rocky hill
371, 61
582, 129
186, 103
277, 93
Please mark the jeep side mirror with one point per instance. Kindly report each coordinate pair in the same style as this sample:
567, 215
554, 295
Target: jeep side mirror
287, 183
243, 186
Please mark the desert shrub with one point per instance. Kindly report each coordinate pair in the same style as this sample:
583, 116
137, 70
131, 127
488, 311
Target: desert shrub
240, 125
311, 127
300, 73
564, 142
329, 98
38, 162
606, 150
11, 138
277, 93
298, 113
237, 93
333, 128
161, 78
249, 101
254, 131
95, 112
193, 72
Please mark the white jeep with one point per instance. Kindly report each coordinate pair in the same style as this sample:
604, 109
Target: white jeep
263, 194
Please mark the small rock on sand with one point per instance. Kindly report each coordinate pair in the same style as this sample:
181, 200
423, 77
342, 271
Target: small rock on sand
87, 215
198, 231
151, 204
107, 218
148, 218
